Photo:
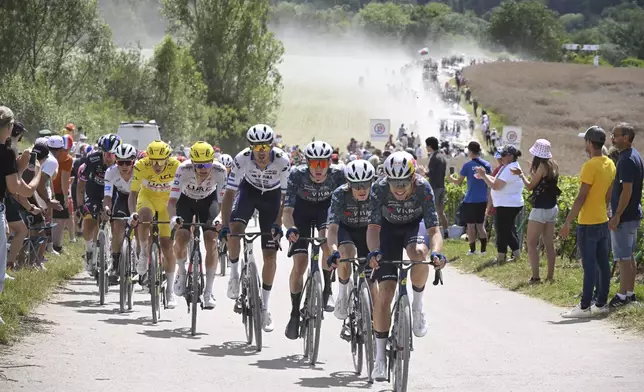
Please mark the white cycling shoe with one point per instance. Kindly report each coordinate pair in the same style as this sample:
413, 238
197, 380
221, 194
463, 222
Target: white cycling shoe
209, 301
379, 372
233, 287
180, 284
171, 299
267, 321
419, 323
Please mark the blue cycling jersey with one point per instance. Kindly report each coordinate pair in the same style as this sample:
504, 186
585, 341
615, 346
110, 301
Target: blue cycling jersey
420, 205
300, 185
347, 210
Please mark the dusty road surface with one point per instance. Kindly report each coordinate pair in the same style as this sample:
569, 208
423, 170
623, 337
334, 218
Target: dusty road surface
481, 338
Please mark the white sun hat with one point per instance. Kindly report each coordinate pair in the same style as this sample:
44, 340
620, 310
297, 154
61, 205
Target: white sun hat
541, 149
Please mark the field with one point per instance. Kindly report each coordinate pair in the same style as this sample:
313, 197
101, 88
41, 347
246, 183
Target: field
557, 101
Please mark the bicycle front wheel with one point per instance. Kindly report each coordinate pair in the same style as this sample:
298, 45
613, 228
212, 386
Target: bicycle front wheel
357, 344
402, 345
365, 328
223, 260
314, 318
255, 304
195, 262
102, 268
124, 276
154, 280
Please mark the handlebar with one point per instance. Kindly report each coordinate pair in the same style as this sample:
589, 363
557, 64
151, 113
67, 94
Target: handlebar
311, 240
249, 237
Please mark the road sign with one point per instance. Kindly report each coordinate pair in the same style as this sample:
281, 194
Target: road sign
379, 129
512, 136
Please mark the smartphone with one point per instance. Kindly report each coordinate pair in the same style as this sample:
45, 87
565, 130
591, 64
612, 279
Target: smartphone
32, 161
451, 170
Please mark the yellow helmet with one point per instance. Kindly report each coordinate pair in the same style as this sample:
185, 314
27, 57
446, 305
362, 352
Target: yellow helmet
202, 152
158, 150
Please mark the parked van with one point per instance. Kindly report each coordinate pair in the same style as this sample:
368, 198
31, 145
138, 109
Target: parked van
139, 133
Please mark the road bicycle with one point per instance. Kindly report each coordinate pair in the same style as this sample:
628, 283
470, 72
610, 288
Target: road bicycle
155, 278
249, 302
127, 267
222, 249
311, 313
100, 256
195, 285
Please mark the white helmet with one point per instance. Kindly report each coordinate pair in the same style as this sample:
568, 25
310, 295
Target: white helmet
399, 165
260, 133
318, 150
125, 152
226, 160
359, 171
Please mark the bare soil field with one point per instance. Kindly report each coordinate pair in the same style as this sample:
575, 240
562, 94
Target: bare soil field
557, 101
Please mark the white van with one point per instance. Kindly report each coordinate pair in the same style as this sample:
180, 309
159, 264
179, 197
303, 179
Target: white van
139, 133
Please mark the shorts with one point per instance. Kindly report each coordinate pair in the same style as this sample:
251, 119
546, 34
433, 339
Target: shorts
474, 213
35, 220
64, 214
267, 204
624, 240
92, 207
13, 211
74, 201
439, 196
205, 210
305, 215
159, 206
393, 239
120, 208
544, 215
356, 236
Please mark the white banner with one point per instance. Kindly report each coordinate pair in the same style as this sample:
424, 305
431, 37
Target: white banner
590, 48
512, 136
379, 129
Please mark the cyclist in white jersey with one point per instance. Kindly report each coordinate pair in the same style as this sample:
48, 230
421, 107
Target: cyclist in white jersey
117, 183
196, 193
257, 181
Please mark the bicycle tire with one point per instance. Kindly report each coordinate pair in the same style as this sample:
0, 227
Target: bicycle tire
131, 267
195, 262
316, 310
255, 303
304, 316
102, 289
357, 345
367, 328
223, 261
402, 345
247, 320
154, 283
123, 263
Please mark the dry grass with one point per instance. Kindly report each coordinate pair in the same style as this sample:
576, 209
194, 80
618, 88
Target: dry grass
557, 101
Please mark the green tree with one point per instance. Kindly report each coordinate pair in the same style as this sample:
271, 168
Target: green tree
387, 19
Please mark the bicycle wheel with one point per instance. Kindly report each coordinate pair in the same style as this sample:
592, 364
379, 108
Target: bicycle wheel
357, 344
402, 345
131, 267
101, 268
366, 328
154, 282
124, 274
223, 260
255, 304
314, 318
195, 263
247, 318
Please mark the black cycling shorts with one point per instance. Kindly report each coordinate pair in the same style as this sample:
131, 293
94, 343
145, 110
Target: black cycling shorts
120, 208
64, 214
357, 237
305, 215
13, 211
267, 204
393, 240
92, 207
205, 210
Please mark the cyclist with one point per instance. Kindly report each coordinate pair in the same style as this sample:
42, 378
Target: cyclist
149, 194
400, 204
196, 192
308, 198
227, 161
258, 177
90, 189
347, 225
117, 181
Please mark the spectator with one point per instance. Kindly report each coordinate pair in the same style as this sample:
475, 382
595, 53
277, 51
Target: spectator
401, 131
475, 105
475, 201
490, 210
61, 184
436, 170
507, 198
627, 212
593, 198
541, 222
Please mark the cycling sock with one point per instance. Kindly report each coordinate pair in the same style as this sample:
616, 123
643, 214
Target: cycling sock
295, 304
418, 297
169, 276
344, 288
234, 267
327, 281
210, 279
89, 246
116, 258
472, 247
181, 263
266, 294
381, 345
483, 244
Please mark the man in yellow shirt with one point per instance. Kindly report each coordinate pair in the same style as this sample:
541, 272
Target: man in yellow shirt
149, 194
591, 204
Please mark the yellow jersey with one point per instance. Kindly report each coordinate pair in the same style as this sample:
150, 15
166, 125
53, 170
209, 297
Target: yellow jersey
146, 181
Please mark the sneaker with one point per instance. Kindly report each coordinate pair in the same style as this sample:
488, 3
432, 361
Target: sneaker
89, 262
419, 324
233, 287
577, 312
209, 301
379, 372
599, 310
516, 254
7, 277
142, 264
267, 321
631, 298
293, 327
469, 253
171, 302
341, 311
180, 284
329, 301
617, 302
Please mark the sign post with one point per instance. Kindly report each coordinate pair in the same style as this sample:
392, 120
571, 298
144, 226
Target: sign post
512, 136
379, 129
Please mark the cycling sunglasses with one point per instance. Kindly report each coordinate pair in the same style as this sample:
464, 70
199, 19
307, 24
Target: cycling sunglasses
360, 186
404, 183
262, 147
159, 162
203, 165
125, 163
318, 163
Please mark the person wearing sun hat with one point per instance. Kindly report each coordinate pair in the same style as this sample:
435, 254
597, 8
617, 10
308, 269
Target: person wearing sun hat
58, 147
543, 183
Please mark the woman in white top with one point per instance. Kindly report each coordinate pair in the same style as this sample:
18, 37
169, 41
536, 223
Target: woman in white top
507, 197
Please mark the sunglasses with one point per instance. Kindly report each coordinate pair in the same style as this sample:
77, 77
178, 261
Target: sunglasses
360, 186
158, 162
399, 183
260, 147
125, 163
318, 163
203, 165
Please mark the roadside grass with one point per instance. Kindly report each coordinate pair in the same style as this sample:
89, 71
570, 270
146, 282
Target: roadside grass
564, 291
31, 287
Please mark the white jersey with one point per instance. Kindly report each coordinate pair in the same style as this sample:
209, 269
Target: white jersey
274, 176
185, 181
113, 180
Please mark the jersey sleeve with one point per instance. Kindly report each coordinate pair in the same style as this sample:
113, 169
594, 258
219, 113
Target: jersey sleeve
284, 174
83, 172
220, 173
430, 216
177, 185
337, 204
137, 176
376, 200
291, 188
108, 188
237, 172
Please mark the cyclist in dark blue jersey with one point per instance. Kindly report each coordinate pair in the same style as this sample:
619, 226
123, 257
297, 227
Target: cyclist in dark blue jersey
347, 226
403, 216
308, 197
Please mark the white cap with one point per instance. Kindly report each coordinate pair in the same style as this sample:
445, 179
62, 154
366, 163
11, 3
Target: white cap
55, 142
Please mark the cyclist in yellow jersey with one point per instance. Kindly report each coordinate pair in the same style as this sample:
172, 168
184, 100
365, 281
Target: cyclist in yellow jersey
149, 194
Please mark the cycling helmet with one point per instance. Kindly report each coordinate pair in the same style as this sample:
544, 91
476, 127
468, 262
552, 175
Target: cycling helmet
86, 149
125, 152
99, 142
109, 143
318, 150
260, 133
202, 152
226, 160
359, 171
399, 165
158, 150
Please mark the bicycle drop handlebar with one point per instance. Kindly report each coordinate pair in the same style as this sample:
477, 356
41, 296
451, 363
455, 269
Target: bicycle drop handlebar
407, 264
317, 241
